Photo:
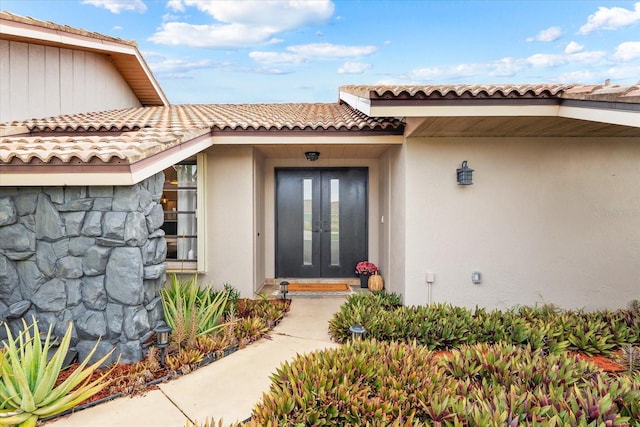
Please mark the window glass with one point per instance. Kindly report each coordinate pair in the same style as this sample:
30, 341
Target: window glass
179, 202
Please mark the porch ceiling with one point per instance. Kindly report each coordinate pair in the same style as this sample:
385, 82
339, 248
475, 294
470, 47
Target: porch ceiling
327, 151
513, 127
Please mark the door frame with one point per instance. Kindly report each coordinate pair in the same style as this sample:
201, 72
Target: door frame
319, 170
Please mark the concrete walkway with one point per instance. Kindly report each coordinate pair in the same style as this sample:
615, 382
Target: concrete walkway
228, 388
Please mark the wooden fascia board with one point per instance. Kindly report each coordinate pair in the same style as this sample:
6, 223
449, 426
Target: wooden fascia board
464, 111
276, 139
357, 102
83, 175
601, 115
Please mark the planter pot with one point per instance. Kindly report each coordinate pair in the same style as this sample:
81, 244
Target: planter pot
364, 281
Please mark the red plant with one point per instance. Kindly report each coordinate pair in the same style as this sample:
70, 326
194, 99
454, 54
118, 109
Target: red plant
366, 267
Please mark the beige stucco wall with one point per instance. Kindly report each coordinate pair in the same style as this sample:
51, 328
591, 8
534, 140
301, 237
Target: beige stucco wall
229, 214
39, 81
553, 220
392, 215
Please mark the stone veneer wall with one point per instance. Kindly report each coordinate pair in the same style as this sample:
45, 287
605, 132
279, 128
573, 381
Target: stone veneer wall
94, 255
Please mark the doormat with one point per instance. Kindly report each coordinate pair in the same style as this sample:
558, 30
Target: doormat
319, 287
314, 290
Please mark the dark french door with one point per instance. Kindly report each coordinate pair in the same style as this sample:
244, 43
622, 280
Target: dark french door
321, 221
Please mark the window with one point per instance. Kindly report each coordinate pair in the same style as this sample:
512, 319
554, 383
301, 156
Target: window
181, 197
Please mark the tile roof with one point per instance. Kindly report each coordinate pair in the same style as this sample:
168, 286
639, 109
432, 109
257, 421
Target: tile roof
130, 135
630, 93
63, 28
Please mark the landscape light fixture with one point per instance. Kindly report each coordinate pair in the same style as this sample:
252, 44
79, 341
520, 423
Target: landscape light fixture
312, 156
163, 333
465, 174
357, 332
284, 289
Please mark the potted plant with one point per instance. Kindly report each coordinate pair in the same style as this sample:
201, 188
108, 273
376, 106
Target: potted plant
364, 269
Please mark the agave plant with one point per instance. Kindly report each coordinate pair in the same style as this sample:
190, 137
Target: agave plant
28, 377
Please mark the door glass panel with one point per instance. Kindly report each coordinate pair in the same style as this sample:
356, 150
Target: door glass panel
307, 200
335, 222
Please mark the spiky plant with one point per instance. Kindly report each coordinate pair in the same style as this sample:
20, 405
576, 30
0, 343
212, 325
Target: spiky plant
28, 388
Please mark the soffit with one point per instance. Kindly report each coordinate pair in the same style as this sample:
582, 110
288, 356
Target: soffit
124, 53
327, 152
515, 127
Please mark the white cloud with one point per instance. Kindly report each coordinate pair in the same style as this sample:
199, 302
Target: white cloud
611, 19
180, 66
573, 47
276, 58
624, 72
328, 50
117, 6
505, 67
117, 28
546, 60
548, 35
576, 77
591, 57
627, 51
241, 24
353, 68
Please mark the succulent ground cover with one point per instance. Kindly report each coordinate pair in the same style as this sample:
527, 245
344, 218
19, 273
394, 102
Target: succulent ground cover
442, 326
405, 384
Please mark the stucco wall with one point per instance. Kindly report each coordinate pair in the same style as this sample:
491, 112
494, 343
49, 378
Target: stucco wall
230, 218
91, 255
547, 220
39, 81
393, 204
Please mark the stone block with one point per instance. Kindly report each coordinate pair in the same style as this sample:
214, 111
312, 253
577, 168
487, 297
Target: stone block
74, 291
149, 251
8, 213
155, 219
113, 224
9, 280
115, 318
94, 294
95, 260
126, 199
102, 204
136, 322
92, 226
61, 248
73, 223
74, 193
129, 352
51, 296
110, 243
26, 201
17, 238
90, 323
80, 205
100, 191
56, 194
17, 310
78, 246
85, 347
161, 252
29, 221
31, 278
49, 226
155, 271
145, 199
135, 229
70, 267
46, 259
124, 272
19, 256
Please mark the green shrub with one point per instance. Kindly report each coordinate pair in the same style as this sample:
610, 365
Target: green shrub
192, 311
28, 388
378, 383
442, 326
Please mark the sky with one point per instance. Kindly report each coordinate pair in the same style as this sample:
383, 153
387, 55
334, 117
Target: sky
244, 51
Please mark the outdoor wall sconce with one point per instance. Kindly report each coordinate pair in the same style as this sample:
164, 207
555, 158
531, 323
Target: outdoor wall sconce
162, 340
357, 332
284, 289
476, 277
465, 174
312, 156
